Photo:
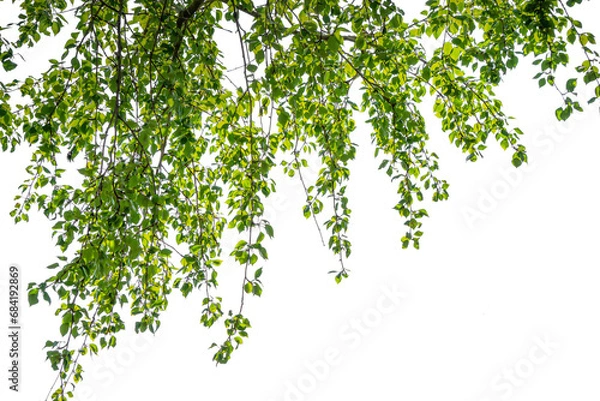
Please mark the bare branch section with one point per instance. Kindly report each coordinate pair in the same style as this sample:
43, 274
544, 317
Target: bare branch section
324, 35
182, 21
244, 8
187, 13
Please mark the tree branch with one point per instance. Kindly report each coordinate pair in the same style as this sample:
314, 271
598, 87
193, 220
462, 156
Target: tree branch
187, 13
182, 19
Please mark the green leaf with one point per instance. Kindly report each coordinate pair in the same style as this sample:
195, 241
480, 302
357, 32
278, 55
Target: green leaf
263, 252
8, 65
64, 328
32, 296
269, 230
333, 43
283, 117
257, 290
558, 112
360, 42
516, 161
447, 48
46, 297
94, 348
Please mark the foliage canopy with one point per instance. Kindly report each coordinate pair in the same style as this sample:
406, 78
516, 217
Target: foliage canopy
174, 143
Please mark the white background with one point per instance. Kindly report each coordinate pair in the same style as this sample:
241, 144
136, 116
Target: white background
508, 263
